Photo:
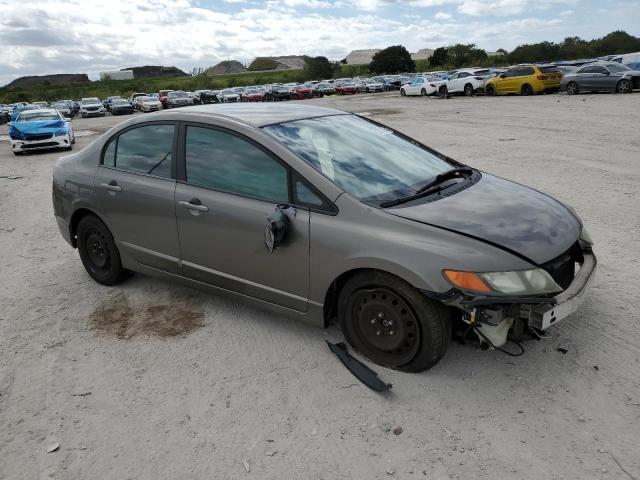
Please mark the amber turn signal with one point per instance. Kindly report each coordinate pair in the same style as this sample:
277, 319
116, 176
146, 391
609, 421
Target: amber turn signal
467, 281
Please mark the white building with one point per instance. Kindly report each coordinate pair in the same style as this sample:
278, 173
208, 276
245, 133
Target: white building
117, 75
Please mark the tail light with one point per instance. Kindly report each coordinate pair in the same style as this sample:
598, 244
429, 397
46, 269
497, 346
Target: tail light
542, 77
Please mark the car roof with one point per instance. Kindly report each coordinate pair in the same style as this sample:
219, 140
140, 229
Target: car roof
40, 110
260, 115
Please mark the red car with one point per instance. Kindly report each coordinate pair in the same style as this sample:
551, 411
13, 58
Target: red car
346, 89
252, 96
301, 92
162, 96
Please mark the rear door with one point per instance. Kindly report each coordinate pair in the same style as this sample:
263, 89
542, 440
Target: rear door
135, 185
229, 186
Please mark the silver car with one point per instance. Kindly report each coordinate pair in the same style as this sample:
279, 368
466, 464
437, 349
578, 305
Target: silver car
322, 214
601, 77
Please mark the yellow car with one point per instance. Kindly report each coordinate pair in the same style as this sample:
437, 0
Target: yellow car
525, 80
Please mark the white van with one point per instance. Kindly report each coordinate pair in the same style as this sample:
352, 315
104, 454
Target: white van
627, 58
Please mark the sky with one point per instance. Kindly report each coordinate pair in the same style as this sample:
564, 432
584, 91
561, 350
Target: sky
40, 37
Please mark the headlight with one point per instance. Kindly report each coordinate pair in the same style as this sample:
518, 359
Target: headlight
585, 237
61, 133
522, 282
16, 134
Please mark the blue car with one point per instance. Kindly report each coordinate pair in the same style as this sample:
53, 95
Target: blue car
40, 129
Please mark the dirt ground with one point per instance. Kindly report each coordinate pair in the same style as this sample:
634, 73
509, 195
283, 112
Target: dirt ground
149, 380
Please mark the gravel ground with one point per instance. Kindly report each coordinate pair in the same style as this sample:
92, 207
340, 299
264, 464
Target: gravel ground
154, 381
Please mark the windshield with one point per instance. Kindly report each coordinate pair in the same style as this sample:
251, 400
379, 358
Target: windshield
90, 101
368, 161
177, 94
120, 102
37, 116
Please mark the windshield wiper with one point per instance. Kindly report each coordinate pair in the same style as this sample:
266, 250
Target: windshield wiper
431, 186
448, 175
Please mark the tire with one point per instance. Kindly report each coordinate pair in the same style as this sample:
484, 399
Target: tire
526, 90
490, 91
98, 251
443, 91
623, 86
403, 93
369, 306
468, 90
423, 92
572, 88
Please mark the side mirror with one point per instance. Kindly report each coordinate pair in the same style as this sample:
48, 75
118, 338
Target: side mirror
502, 75
276, 229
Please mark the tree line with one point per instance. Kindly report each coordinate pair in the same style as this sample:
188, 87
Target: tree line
397, 58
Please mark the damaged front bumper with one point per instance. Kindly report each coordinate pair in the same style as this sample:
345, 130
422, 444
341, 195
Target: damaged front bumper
533, 312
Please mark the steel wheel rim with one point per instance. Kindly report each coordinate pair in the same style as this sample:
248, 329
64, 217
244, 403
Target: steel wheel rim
623, 86
97, 250
571, 88
386, 326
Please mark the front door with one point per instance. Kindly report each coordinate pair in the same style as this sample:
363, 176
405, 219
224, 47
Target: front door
135, 191
231, 187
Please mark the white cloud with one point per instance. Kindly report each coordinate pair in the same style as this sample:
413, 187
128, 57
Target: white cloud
442, 16
83, 36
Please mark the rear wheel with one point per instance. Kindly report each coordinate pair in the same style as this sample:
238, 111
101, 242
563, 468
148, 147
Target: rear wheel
423, 92
490, 90
468, 90
526, 89
98, 251
393, 324
623, 86
572, 88
403, 93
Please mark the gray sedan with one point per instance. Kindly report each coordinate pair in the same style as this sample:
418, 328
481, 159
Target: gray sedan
321, 214
601, 77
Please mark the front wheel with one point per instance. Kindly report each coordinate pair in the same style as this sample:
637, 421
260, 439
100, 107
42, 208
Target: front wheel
403, 93
423, 92
624, 86
490, 90
572, 88
391, 323
98, 251
443, 91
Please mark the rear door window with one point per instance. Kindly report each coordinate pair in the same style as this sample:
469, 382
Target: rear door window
147, 149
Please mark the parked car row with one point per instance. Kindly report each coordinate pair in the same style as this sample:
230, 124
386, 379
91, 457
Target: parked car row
527, 79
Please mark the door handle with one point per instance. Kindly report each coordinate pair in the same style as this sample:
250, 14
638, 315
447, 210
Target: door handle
112, 186
194, 204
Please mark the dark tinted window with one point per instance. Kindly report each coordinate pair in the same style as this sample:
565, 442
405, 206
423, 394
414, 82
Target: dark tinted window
226, 162
599, 69
587, 70
109, 158
145, 150
463, 75
552, 69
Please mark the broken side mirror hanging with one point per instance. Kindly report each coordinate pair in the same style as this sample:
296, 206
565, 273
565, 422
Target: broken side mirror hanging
276, 228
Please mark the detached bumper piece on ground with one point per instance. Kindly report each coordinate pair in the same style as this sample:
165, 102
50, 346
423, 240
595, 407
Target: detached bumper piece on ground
359, 369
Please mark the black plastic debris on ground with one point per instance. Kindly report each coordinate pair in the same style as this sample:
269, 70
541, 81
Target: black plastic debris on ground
562, 350
359, 369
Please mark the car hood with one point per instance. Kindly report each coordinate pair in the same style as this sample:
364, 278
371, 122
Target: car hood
509, 215
39, 127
